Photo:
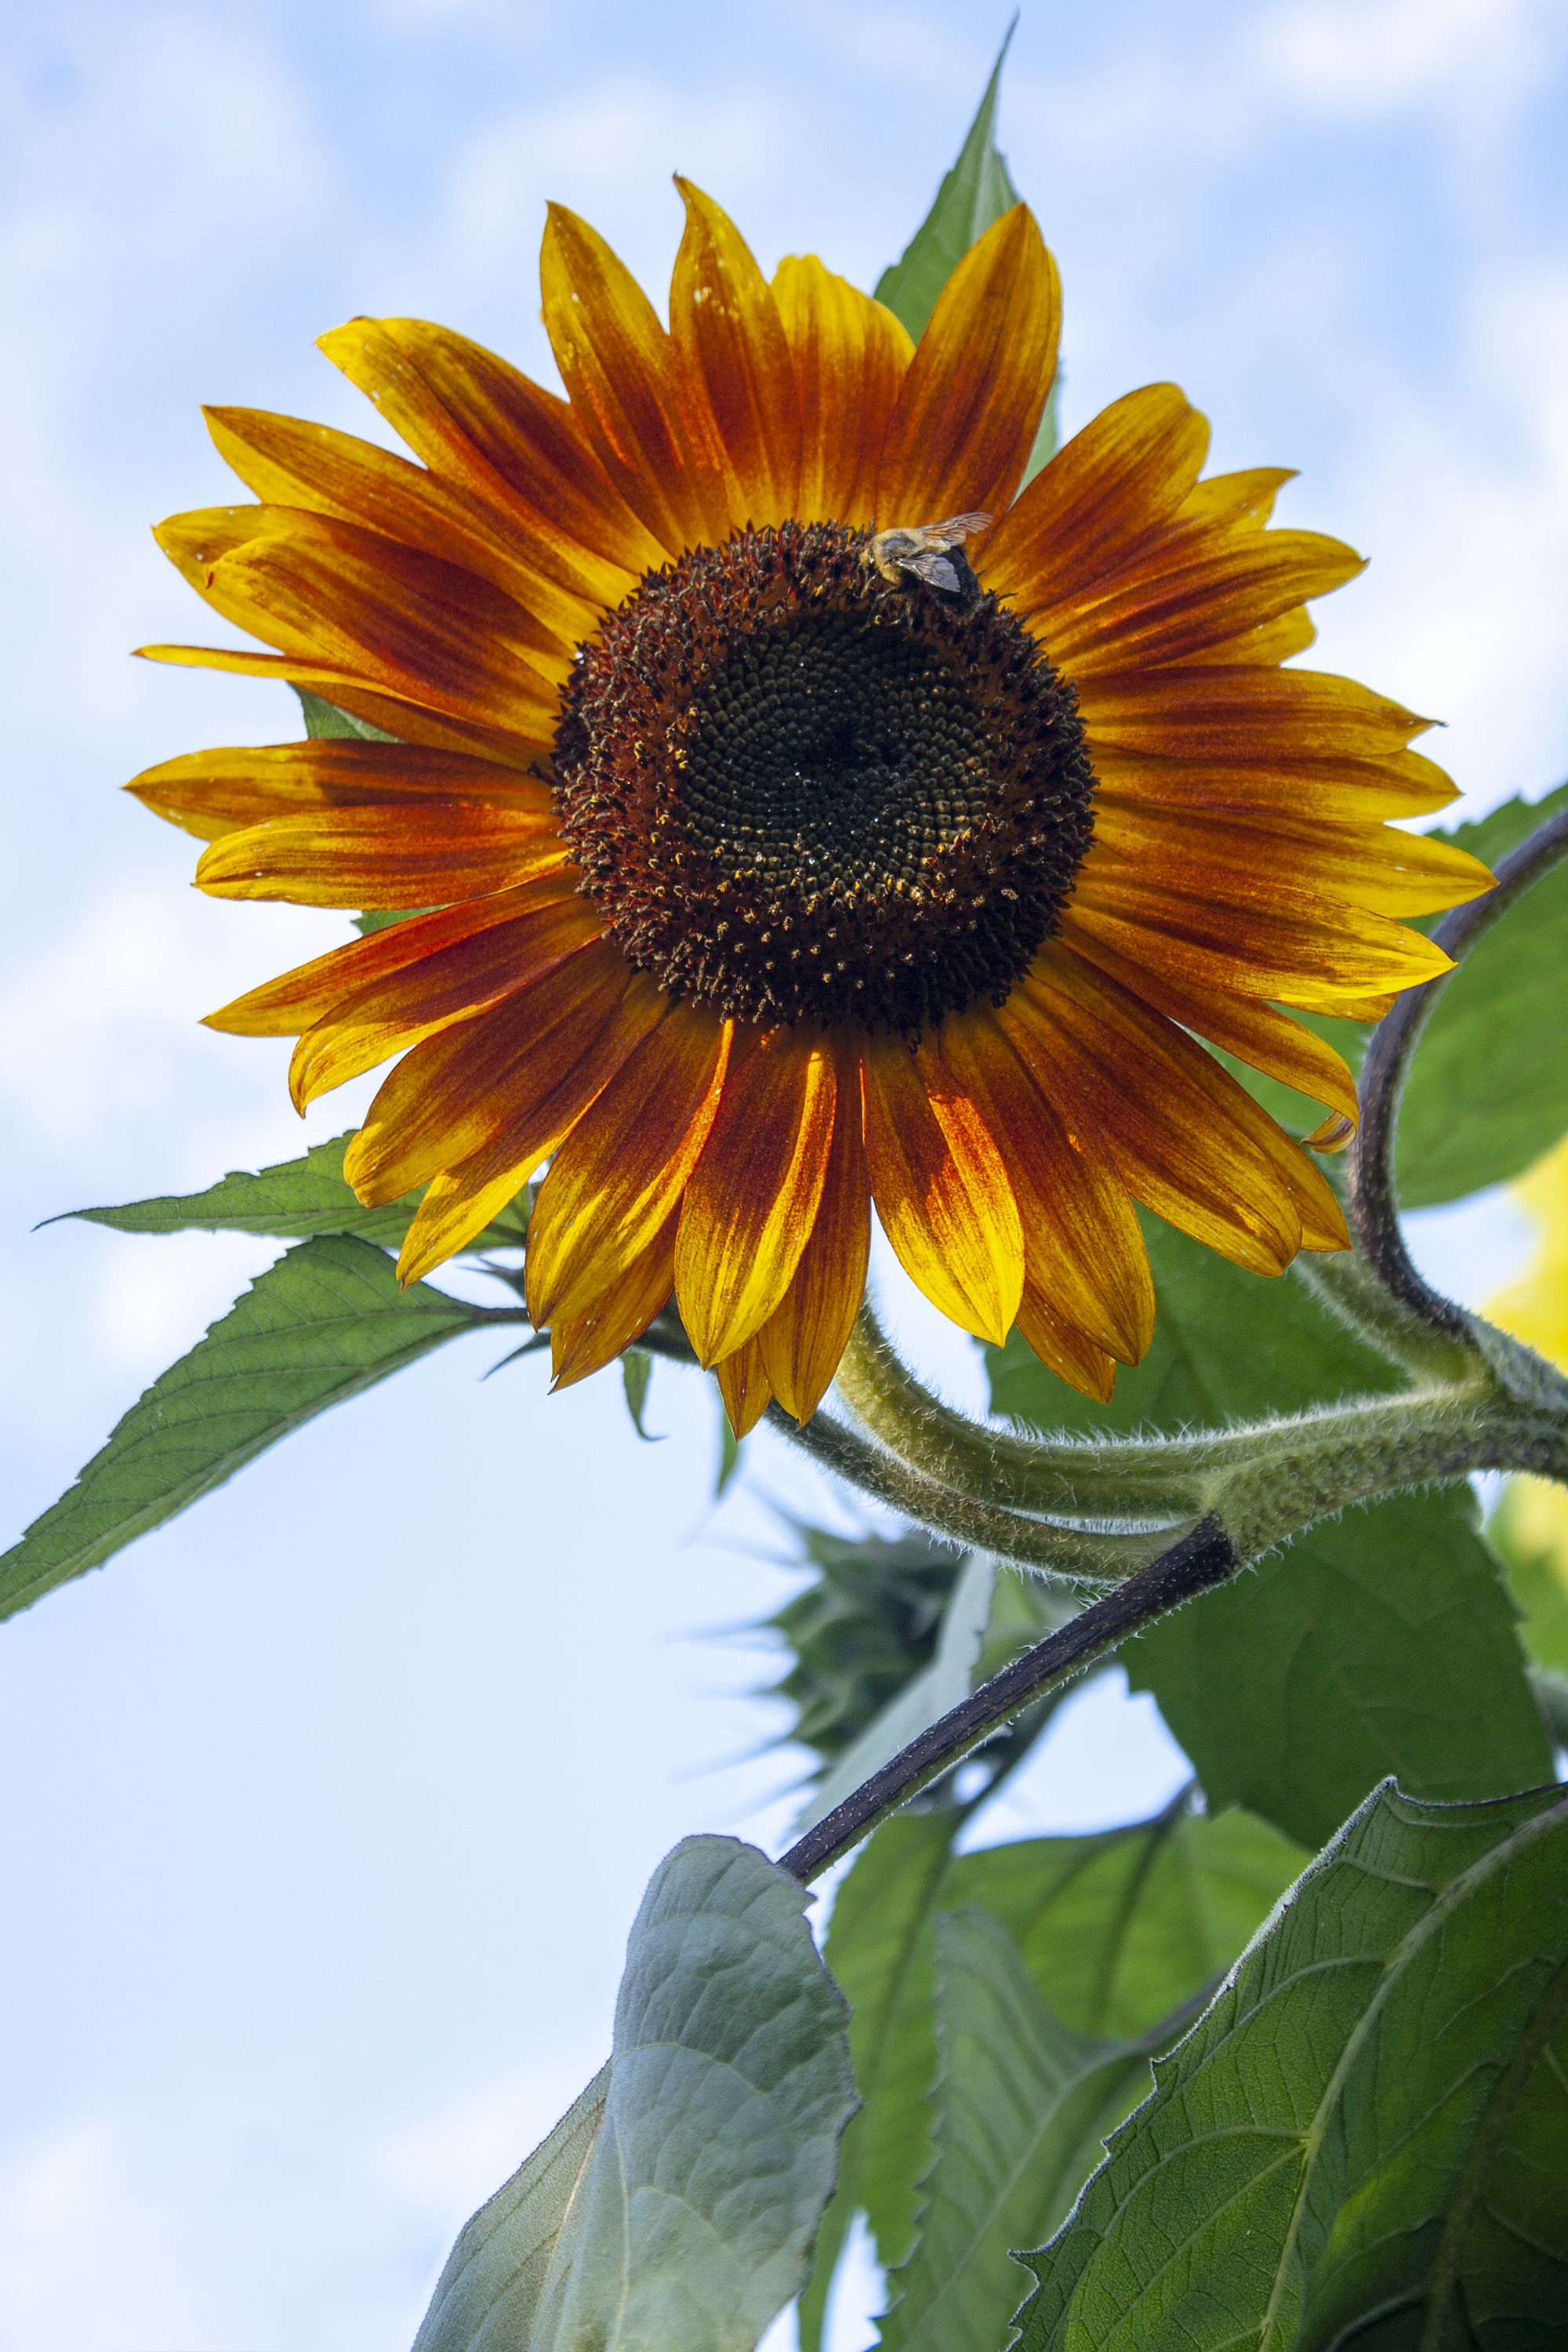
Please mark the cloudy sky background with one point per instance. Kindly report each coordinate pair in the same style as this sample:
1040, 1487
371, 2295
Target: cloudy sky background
329, 1806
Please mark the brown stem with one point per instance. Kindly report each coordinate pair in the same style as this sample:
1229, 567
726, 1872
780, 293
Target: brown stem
1374, 1216
1201, 1558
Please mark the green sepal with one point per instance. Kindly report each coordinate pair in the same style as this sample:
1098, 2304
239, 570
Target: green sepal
637, 1371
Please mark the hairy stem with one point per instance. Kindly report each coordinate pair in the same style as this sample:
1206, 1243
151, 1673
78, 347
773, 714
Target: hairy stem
1125, 1480
1375, 1219
970, 1520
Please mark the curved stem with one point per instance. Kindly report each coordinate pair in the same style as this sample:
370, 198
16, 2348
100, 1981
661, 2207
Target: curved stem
970, 1521
1375, 1219
1125, 1480
1201, 1559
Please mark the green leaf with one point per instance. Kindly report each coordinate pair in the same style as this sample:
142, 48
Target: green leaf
1380, 1643
976, 193
324, 720
292, 1201
487, 2297
1488, 1091
923, 1699
1365, 2137
636, 1371
1116, 1930
1021, 2108
325, 1322
681, 2212
879, 1948
1383, 1642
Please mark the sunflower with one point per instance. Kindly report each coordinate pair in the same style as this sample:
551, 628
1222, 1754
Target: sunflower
790, 815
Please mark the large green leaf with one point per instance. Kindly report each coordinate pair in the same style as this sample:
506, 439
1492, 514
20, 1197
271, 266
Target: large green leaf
325, 1322
1116, 1930
1382, 1642
487, 2297
675, 2205
1488, 1091
1022, 2105
293, 1200
1365, 2137
976, 192
1537, 1574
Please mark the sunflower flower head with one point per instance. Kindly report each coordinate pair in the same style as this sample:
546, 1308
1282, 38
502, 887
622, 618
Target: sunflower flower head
804, 817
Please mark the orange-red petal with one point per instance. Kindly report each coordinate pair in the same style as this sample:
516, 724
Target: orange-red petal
726, 328
744, 1387
851, 355
620, 1314
803, 1338
1119, 480
940, 1188
752, 1197
624, 1169
504, 1072
970, 404
210, 794
628, 390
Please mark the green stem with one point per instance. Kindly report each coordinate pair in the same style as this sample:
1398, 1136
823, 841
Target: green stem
1122, 1480
972, 1520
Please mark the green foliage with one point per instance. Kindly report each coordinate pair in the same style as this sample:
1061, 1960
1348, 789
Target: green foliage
1115, 1932
629, 2230
862, 1629
325, 1322
1384, 1642
637, 1371
325, 720
1367, 2136
292, 1200
976, 192
1021, 2108
1381, 1642
1488, 1091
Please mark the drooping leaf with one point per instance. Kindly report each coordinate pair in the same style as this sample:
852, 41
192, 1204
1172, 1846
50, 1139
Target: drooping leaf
292, 1200
1381, 1642
325, 1322
976, 192
1021, 2107
1116, 1930
730, 1447
691, 2217
487, 2297
637, 1371
1365, 2138
1488, 1090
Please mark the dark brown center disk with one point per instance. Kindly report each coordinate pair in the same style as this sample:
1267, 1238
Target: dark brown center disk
800, 794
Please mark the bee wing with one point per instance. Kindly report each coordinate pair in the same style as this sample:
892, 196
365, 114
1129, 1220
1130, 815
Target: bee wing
934, 568
955, 529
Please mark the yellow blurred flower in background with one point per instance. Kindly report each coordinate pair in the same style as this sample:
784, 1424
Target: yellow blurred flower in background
1531, 1521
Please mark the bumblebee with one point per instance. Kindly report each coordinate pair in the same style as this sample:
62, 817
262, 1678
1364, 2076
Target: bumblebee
933, 554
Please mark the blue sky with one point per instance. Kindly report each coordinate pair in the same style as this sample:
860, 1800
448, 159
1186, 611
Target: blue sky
329, 1804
